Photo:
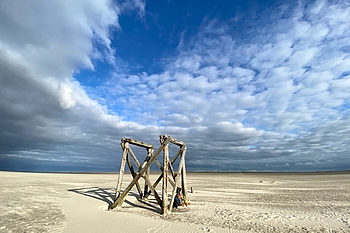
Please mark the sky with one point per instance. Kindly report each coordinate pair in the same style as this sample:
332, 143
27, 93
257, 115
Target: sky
247, 85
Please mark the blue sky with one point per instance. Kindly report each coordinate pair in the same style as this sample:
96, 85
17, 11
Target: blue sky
248, 85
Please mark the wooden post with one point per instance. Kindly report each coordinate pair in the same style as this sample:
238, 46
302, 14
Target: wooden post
121, 172
178, 177
183, 174
147, 173
165, 179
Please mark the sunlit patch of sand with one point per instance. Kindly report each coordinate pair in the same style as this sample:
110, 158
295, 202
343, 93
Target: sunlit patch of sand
229, 202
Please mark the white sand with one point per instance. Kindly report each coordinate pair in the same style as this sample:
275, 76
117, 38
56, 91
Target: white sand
227, 202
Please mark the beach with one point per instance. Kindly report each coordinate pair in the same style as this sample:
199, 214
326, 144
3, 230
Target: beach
220, 202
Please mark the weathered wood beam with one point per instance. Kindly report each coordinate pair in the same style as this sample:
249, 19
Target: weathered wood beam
161, 168
121, 171
134, 158
183, 173
137, 143
133, 173
173, 140
148, 157
149, 154
171, 170
178, 177
160, 178
158, 164
165, 179
159, 201
177, 154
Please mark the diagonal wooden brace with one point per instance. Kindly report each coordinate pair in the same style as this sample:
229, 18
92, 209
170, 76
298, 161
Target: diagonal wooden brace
121, 196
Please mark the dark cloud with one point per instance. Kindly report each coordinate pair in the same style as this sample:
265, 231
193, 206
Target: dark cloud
277, 103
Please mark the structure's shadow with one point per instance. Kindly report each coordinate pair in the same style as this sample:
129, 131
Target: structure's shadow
102, 194
107, 195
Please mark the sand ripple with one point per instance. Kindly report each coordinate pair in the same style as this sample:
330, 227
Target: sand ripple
220, 203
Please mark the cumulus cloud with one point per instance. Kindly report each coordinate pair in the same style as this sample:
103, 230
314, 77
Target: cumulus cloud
265, 96
274, 98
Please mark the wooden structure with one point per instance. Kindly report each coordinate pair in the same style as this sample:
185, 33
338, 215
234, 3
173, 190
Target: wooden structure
177, 179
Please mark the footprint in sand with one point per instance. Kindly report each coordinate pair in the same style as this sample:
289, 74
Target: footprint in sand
206, 229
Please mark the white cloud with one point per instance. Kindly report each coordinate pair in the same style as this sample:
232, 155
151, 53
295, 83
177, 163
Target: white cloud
44, 110
64, 42
288, 80
66, 100
279, 97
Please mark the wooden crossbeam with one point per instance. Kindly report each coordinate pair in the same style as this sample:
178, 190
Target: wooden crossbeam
137, 143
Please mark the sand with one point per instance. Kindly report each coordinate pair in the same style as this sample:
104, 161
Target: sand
221, 202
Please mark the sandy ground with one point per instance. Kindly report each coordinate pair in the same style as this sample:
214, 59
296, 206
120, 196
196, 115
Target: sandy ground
221, 202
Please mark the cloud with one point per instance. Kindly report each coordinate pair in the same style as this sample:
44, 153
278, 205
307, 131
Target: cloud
283, 79
275, 97
45, 114
134, 5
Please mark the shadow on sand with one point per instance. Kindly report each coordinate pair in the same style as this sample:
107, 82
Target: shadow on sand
107, 195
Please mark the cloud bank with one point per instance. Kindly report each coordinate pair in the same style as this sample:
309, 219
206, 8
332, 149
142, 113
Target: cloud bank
274, 98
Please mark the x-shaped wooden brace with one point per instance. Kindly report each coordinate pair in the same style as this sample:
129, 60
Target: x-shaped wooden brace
144, 168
